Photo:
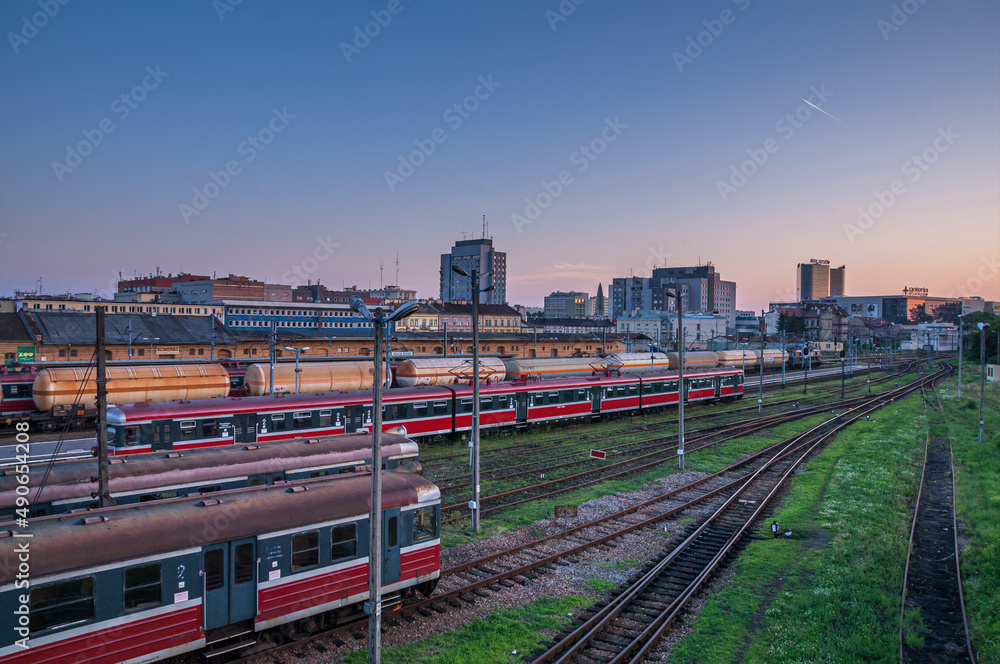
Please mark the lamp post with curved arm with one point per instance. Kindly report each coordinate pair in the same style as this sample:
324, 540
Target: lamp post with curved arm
373, 607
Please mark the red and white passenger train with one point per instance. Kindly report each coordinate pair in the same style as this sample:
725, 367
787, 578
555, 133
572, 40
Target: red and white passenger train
144, 582
422, 411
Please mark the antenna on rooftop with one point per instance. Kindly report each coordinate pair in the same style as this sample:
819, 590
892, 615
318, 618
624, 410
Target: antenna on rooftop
397, 269
484, 226
381, 269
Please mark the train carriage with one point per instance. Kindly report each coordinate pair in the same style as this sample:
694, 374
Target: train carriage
140, 584
146, 427
70, 484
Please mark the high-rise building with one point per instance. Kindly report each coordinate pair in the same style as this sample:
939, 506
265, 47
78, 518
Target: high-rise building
838, 278
815, 280
566, 305
702, 288
469, 255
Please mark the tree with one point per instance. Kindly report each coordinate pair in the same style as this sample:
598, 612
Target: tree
918, 314
948, 312
792, 325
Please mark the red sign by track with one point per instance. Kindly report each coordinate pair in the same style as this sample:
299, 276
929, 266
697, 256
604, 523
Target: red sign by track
598, 454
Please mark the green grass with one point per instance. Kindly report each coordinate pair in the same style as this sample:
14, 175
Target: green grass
977, 487
601, 585
489, 641
830, 593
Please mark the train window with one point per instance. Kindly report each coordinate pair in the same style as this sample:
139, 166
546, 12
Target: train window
302, 420
440, 407
130, 436
142, 586
319, 473
147, 497
393, 535
215, 569
633, 389
243, 562
63, 603
278, 422
466, 405
423, 524
209, 428
187, 429
485, 403
344, 542
305, 550
210, 489
325, 418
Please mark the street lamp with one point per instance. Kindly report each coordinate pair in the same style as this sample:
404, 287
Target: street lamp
373, 607
474, 442
961, 331
678, 295
297, 370
982, 373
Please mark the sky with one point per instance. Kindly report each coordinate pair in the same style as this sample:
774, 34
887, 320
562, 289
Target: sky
304, 140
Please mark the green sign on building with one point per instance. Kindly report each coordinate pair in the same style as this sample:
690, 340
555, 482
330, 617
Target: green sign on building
25, 353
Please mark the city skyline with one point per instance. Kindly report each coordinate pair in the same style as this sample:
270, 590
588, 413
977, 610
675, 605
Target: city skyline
270, 139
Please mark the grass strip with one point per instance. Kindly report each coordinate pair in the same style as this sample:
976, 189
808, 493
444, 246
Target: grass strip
830, 592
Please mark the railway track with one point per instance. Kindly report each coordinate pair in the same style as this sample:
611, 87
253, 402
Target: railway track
932, 580
463, 583
629, 627
651, 453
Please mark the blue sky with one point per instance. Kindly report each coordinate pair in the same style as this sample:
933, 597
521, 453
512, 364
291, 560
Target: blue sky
646, 112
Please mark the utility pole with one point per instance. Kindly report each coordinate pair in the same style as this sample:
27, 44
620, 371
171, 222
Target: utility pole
783, 359
760, 382
270, 346
805, 366
982, 374
445, 323
103, 489
374, 605
474, 441
869, 357
961, 330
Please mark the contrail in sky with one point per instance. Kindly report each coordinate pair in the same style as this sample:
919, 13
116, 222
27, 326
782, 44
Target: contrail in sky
825, 113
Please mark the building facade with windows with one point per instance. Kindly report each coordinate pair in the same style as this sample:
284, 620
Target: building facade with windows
469, 255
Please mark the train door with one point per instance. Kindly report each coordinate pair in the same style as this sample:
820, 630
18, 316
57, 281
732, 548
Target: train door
245, 428
159, 435
230, 582
391, 524
595, 399
521, 406
354, 418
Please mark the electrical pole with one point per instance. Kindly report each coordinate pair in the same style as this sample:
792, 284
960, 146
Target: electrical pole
103, 490
374, 605
474, 442
783, 359
869, 357
982, 374
760, 382
680, 377
270, 346
961, 329
805, 367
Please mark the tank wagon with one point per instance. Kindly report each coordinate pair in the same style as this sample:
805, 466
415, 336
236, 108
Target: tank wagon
313, 377
635, 363
554, 367
70, 485
447, 371
142, 583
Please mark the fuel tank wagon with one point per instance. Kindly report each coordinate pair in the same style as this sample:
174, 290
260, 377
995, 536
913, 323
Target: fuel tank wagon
447, 371
77, 386
313, 377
